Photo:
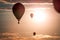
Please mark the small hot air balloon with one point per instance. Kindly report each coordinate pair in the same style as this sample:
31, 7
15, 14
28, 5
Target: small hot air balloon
34, 33
56, 4
18, 11
31, 15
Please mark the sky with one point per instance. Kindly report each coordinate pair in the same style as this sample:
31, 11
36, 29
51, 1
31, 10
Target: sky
45, 22
28, 1
7, 4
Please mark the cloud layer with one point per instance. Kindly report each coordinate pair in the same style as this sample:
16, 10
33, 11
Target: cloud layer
7, 4
29, 1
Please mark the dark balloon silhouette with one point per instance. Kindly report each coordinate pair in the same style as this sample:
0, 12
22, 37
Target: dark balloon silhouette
18, 11
31, 15
56, 4
34, 33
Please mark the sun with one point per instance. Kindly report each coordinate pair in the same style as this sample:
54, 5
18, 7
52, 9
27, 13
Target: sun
39, 15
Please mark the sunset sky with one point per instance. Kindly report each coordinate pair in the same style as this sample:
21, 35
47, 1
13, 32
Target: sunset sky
45, 20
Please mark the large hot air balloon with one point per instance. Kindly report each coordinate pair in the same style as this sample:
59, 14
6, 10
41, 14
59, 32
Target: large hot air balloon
56, 4
31, 15
18, 11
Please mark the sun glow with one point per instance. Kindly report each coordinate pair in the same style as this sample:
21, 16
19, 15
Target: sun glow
39, 14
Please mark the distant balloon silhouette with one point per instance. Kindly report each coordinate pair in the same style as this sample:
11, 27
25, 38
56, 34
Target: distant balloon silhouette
56, 4
34, 33
31, 15
18, 11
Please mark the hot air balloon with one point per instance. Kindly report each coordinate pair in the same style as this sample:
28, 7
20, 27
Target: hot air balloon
34, 33
31, 15
18, 11
56, 4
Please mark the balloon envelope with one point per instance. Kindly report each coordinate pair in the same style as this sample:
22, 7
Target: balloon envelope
34, 33
56, 4
18, 11
31, 15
